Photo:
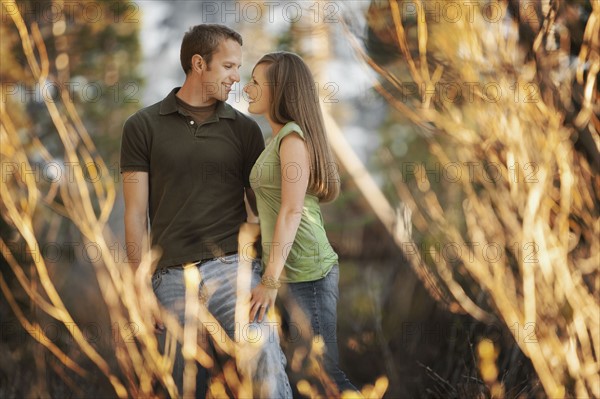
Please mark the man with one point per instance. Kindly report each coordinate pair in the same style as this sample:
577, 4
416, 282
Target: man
186, 163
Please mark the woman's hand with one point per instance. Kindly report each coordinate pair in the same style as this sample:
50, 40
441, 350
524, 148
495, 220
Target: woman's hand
262, 298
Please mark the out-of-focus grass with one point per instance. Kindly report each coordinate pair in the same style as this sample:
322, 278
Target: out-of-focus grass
541, 207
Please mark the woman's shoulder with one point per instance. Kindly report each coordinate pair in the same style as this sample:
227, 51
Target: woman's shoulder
290, 127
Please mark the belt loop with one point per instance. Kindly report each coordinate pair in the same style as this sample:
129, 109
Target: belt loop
188, 265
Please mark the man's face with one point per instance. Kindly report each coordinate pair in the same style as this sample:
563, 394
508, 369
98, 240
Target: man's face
223, 71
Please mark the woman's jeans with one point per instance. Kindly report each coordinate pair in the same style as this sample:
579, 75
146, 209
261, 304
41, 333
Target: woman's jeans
313, 302
217, 290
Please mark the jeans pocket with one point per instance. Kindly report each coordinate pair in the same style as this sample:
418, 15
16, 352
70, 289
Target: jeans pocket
332, 280
157, 278
203, 295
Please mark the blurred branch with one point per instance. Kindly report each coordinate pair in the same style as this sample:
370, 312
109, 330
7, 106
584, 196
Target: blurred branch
87, 205
546, 223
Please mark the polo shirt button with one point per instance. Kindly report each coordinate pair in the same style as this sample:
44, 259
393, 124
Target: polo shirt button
191, 122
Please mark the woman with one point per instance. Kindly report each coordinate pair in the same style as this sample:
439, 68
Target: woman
294, 173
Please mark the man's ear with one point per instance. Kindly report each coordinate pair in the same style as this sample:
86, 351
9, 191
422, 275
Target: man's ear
198, 63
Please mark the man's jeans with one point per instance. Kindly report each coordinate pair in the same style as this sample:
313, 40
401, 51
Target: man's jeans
310, 311
218, 287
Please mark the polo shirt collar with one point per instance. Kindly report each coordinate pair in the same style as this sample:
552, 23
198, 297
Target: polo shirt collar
169, 105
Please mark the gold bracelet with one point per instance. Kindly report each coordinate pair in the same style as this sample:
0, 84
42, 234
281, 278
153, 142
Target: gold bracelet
270, 282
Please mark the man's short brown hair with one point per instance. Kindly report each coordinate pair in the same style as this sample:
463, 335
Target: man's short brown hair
204, 40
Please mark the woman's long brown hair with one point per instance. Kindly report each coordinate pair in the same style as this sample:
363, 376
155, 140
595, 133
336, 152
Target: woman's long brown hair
294, 98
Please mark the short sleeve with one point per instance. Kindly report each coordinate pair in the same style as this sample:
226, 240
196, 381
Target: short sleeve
255, 144
135, 149
289, 128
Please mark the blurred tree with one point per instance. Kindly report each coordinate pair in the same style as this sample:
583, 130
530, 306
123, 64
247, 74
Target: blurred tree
91, 54
535, 145
95, 53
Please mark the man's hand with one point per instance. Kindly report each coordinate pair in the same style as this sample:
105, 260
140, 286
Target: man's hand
145, 295
159, 326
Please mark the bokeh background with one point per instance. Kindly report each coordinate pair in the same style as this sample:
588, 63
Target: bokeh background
467, 138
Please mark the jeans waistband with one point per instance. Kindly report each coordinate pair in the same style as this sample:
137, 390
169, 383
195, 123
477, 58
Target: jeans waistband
199, 262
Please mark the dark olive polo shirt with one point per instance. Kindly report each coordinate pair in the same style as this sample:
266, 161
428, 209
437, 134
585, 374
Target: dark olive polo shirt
197, 175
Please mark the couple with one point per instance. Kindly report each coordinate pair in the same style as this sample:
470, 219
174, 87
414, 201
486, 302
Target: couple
190, 160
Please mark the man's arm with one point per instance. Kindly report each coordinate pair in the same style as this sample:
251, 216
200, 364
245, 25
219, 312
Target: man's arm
249, 234
251, 208
136, 195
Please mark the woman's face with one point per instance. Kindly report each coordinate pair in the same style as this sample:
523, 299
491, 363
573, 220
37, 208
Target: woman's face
258, 91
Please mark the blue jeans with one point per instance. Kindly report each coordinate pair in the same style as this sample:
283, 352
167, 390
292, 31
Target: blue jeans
310, 312
217, 290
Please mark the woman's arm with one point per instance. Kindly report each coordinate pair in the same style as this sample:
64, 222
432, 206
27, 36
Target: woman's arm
295, 171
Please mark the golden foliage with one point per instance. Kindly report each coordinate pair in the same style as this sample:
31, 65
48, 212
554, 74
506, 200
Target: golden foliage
492, 98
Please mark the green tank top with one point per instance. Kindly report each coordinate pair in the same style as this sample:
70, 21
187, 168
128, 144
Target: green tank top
311, 256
